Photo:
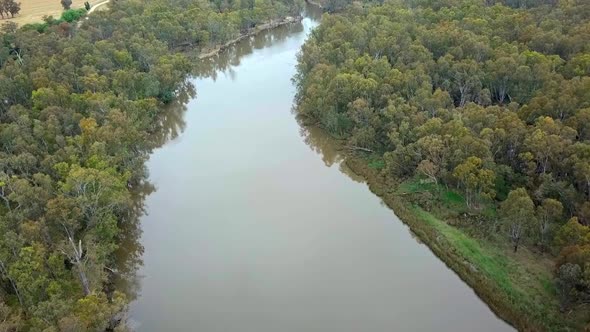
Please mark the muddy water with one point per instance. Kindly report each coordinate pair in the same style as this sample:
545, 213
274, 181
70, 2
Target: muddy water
255, 226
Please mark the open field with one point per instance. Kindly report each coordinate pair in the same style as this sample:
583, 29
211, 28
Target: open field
33, 10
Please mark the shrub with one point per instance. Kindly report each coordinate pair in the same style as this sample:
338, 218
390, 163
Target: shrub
72, 15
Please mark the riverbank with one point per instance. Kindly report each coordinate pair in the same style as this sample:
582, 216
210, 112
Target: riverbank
499, 278
212, 51
517, 287
469, 175
122, 317
293, 230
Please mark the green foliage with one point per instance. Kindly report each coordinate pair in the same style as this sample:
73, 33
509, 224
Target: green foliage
80, 111
518, 212
572, 234
441, 199
39, 27
496, 266
528, 293
415, 186
451, 197
476, 180
72, 15
377, 164
456, 99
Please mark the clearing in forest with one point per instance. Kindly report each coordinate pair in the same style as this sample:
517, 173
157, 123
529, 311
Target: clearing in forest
32, 11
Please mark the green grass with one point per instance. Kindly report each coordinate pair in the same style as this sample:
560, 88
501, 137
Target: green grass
448, 201
416, 186
377, 164
548, 285
452, 198
524, 281
492, 263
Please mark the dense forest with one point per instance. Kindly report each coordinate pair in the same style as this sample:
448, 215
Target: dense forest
80, 110
481, 103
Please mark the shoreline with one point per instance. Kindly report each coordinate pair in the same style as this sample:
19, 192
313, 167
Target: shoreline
209, 52
436, 243
517, 310
123, 316
468, 271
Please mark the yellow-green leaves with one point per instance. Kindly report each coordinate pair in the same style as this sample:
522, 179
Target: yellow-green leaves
475, 179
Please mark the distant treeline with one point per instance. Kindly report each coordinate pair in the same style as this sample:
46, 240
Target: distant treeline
80, 108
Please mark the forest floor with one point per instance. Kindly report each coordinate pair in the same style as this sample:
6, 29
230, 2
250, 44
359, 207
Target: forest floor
32, 11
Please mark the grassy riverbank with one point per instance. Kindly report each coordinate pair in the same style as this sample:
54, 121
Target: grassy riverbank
454, 114
518, 287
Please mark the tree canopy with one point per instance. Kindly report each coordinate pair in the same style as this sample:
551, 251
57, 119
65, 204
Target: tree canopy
9, 7
490, 98
80, 111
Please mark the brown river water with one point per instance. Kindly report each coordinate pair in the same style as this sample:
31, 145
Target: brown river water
254, 225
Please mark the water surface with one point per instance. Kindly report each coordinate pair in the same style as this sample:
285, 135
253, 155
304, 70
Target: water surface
255, 225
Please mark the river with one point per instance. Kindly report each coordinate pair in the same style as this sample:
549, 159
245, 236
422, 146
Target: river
255, 225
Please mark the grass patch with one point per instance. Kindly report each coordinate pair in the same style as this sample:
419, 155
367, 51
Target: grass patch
447, 202
416, 186
524, 282
452, 198
548, 285
377, 164
491, 263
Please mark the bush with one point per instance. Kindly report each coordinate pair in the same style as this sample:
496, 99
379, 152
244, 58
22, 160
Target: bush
72, 15
39, 27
